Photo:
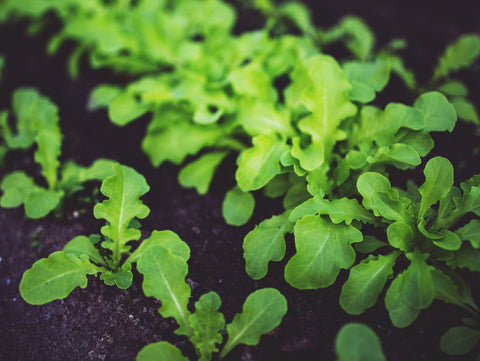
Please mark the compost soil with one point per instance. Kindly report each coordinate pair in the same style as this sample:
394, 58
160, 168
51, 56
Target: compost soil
106, 323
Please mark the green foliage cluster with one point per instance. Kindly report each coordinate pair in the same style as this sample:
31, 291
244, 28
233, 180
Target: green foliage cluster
36, 124
305, 128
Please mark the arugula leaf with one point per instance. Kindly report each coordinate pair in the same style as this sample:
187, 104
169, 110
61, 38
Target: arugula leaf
459, 340
160, 351
401, 314
367, 78
265, 243
237, 207
262, 311
461, 54
357, 342
416, 285
123, 189
55, 277
323, 248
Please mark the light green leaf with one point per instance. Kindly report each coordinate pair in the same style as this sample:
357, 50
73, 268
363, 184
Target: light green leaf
339, 210
237, 207
164, 278
123, 189
365, 282
416, 287
400, 236
466, 110
373, 75
207, 323
310, 156
439, 113
98, 170
401, 314
82, 245
450, 241
400, 155
167, 239
160, 351
459, 340
55, 277
49, 142
260, 163
323, 248
461, 54
470, 232
122, 277
16, 186
357, 342
124, 108
277, 186
454, 88
265, 243
262, 311
369, 244
438, 182
199, 173
102, 95
41, 201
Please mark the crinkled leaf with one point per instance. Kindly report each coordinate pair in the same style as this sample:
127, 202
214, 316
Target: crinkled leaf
199, 173
260, 163
237, 207
207, 323
323, 248
123, 190
310, 156
357, 342
265, 243
122, 277
55, 277
262, 311
365, 283
160, 351
459, 340
164, 278
401, 314
83, 245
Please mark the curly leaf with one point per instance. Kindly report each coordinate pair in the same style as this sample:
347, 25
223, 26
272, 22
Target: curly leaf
357, 342
262, 311
55, 277
123, 190
206, 325
265, 243
164, 278
365, 282
323, 248
122, 278
160, 351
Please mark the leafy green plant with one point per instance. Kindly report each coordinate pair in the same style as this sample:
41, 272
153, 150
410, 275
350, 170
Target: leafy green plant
357, 342
37, 124
164, 266
58, 275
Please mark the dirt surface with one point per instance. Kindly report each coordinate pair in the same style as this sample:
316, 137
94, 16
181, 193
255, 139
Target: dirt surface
105, 323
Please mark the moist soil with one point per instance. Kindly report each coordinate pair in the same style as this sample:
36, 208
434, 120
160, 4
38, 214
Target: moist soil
106, 323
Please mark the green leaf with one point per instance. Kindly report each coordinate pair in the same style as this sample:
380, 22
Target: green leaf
124, 108
459, 340
207, 323
339, 210
199, 173
259, 164
367, 78
450, 241
400, 155
369, 244
122, 278
323, 248
467, 257
438, 182
401, 314
262, 311
49, 142
454, 88
400, 236
55, 277
461, 54
265, 243
365, 283
466, 110
310, 156
123, 189
445, 289
470, 232
167, 239
41, 201
416, 287
164, 278
237, 207
102, 96
357, 342
16, 186
82, 245
439, 113
160, 351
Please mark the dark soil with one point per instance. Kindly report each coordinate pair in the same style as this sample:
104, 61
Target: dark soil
105, 323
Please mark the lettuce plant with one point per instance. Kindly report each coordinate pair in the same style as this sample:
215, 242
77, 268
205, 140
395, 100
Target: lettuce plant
37, 124
58, 275
163, 262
